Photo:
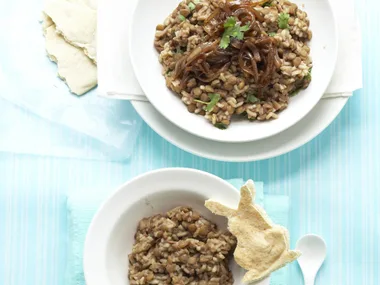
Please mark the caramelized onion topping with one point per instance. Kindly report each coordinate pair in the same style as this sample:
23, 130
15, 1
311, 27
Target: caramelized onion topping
256, 54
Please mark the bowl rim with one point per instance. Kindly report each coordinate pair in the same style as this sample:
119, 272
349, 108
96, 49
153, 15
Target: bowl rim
87, 249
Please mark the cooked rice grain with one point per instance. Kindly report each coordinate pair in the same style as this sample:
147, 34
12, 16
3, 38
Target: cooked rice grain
179, 36
180, 247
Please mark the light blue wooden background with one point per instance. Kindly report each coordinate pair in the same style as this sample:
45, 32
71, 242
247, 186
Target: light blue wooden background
333, 183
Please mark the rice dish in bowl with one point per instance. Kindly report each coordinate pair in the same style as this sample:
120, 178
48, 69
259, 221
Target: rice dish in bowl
235, 58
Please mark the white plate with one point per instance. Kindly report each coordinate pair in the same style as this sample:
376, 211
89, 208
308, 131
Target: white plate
111, 234
302, 132
149, 13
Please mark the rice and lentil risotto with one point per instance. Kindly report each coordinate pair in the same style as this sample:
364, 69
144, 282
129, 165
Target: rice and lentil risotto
243, 57
180, 247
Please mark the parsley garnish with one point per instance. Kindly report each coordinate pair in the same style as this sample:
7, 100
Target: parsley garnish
283, 20
214, 97
252, 98
295, 92
221, 126
191, 6
267, 4
232, 29
196, 2
181, 17
308, 76
230, 22
271, 34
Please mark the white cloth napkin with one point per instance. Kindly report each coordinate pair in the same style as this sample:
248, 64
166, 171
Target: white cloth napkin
346, 79
348, 71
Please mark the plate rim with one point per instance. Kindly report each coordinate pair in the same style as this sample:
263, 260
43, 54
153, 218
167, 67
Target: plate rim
231, 139
139, 107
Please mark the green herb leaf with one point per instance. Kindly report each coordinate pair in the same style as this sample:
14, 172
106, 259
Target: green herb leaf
181, 17
295, 92
272, 34
239, 36
308, 76
230, 22
232, 29
267, 4
245, 27
221, 126
215, 97
283, 20
252, 98
191, 6
200, 101
196, 2
225, 41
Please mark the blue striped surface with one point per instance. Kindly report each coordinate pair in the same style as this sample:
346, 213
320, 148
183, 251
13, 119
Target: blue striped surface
333, 184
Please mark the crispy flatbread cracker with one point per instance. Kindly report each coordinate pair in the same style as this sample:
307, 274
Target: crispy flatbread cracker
262, 246
76, 22
74, 67
93, 4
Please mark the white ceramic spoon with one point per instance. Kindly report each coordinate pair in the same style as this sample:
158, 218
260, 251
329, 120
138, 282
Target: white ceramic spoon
313, 250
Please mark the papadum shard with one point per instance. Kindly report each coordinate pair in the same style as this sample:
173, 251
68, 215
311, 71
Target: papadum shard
262, 246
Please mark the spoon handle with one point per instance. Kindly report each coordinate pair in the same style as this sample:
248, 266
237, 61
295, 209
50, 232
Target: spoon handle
309, 280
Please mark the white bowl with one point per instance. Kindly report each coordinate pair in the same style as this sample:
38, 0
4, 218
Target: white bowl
144, 58
111, 234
